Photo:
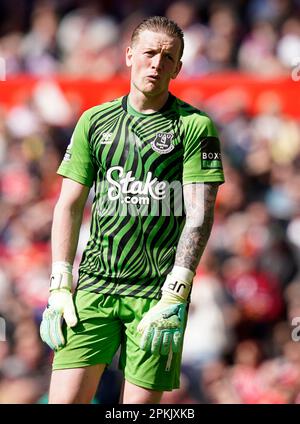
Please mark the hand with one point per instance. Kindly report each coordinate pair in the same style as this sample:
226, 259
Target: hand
162, 327
60, 306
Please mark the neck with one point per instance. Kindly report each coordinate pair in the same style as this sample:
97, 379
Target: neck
147, 104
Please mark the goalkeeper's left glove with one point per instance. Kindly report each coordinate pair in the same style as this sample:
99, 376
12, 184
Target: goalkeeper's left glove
162, 327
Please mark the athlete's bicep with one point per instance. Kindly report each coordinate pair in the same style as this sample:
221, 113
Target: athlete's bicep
199, 202
73, 194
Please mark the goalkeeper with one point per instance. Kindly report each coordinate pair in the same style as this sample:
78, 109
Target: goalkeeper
143, 153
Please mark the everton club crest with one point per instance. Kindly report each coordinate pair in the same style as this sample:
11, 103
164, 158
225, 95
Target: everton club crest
163, 143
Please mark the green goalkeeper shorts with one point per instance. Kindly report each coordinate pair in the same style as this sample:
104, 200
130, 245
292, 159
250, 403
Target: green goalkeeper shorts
107, 322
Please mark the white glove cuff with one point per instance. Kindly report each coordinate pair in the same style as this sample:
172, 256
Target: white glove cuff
182, 273
179, 282
61, 276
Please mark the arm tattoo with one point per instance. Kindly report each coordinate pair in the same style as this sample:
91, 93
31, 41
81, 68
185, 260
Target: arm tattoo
199, 200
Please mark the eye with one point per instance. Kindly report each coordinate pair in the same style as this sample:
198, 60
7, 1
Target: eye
170, 57
148, 53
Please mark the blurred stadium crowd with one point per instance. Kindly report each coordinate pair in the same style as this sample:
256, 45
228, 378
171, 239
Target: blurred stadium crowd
240, 344
88, 37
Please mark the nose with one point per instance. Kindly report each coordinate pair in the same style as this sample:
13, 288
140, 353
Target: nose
157, 61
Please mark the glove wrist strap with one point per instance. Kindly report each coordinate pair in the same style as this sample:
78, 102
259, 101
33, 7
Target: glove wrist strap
178, 283
183, 274
61, 276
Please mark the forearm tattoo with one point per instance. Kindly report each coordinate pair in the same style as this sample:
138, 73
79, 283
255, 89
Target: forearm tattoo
199, 200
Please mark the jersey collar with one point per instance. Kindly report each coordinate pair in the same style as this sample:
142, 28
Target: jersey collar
129, 109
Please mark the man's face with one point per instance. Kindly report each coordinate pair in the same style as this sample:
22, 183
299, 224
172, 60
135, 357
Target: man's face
154, 61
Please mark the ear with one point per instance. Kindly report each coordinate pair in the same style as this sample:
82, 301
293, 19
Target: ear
129, 56
177, 70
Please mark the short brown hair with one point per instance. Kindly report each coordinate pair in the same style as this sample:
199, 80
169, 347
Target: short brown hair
159, 24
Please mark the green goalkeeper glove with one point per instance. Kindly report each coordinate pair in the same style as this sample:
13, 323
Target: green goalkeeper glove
162, 327
60, 306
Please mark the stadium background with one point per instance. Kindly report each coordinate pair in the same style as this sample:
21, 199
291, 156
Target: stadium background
241, 66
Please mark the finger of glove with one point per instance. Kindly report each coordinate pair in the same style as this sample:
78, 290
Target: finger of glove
177, 340
156, 341
146, 338
44, 333
50, 329
167, 340
70, 314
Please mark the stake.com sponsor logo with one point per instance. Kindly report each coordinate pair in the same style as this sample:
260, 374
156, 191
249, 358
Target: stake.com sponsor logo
120, 193
131, 190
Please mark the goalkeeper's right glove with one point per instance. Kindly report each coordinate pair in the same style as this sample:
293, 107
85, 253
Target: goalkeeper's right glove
60, 306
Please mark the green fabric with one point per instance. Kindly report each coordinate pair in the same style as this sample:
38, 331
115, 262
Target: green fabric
138, 163
77, 163
105, 323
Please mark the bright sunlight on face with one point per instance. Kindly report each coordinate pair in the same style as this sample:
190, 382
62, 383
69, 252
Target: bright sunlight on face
154, 61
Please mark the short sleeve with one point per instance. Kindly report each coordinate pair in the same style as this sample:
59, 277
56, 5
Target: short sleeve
202, 152
77, 163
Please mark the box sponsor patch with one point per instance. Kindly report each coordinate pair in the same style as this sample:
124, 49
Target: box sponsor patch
210, 153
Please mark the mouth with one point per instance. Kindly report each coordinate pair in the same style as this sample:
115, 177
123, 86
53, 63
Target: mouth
153, 77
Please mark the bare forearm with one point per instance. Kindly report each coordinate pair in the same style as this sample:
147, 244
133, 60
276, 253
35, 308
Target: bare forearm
197, 229
192, 244
65, 232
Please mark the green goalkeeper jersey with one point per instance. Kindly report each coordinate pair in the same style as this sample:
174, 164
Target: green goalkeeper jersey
138, 164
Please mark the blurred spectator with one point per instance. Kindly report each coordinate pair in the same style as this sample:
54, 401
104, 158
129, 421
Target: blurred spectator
86, 38
288, 48
257, 51
212, 317
39, 48
88, 41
